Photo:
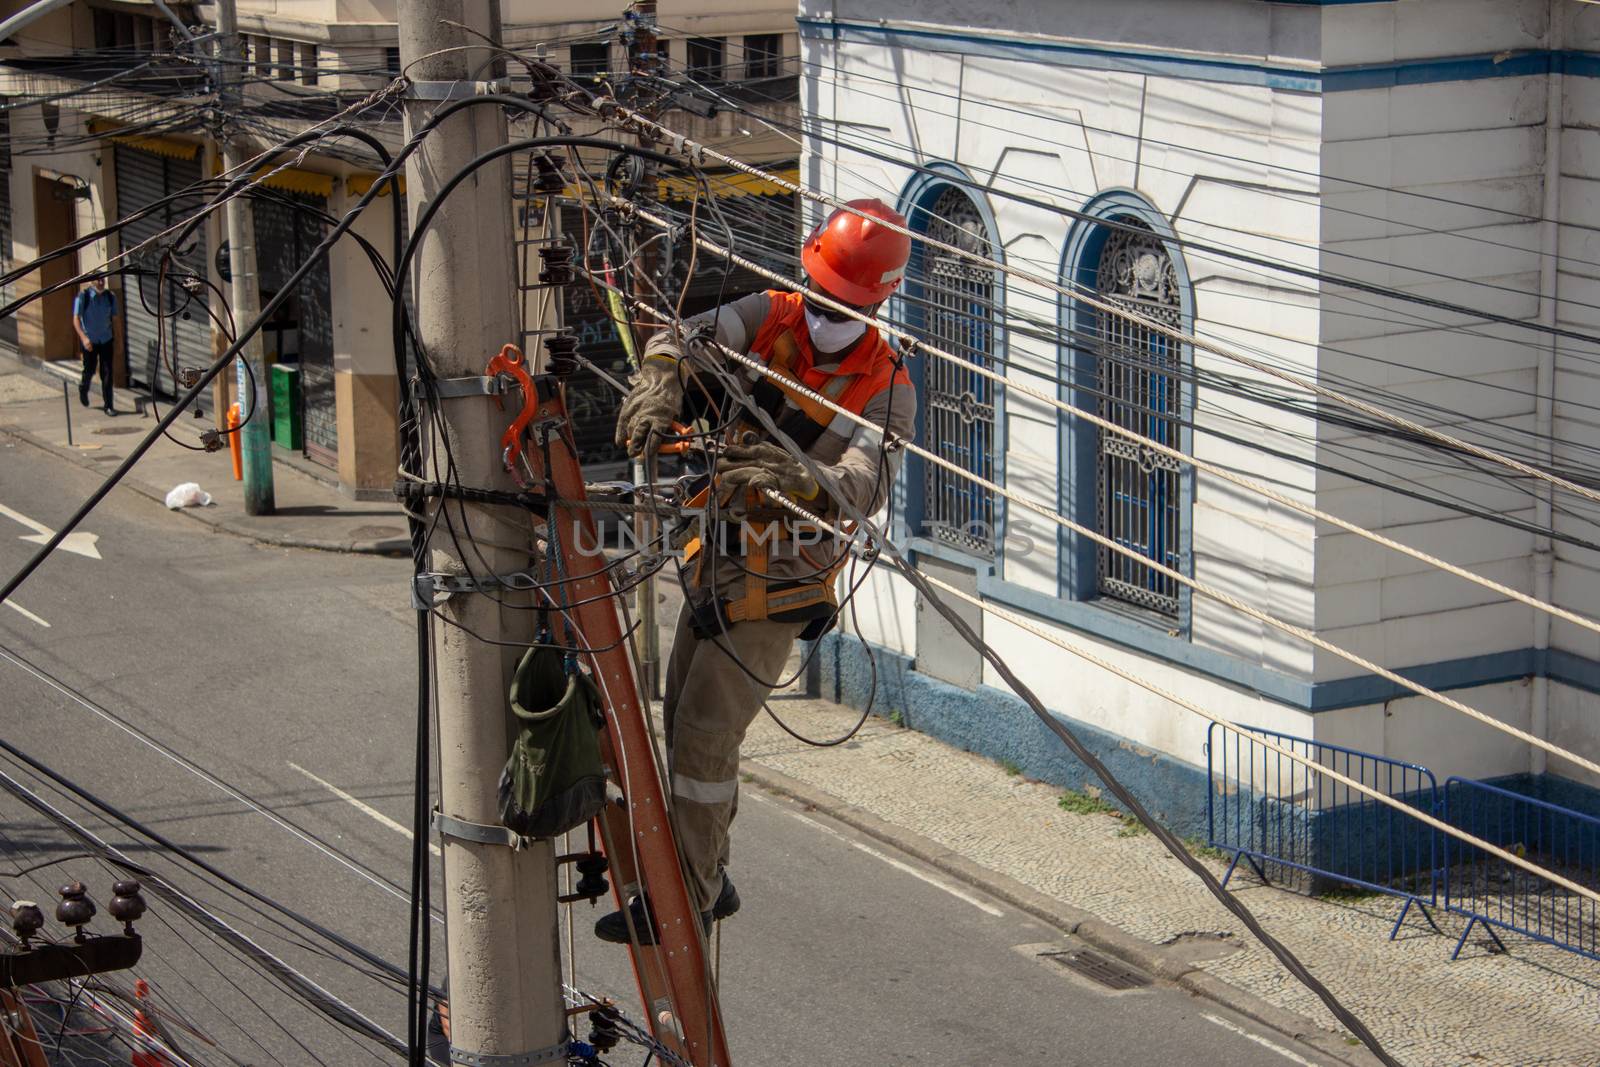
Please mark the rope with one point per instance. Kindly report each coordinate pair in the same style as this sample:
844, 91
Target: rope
1154, 445
693, 150
1305, 761
892, 441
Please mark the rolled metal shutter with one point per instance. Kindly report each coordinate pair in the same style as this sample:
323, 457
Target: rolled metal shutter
8, 325
768, 234
303, 329
149, 310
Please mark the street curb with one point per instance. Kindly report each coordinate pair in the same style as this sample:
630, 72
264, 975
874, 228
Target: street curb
223, 521
1070, 920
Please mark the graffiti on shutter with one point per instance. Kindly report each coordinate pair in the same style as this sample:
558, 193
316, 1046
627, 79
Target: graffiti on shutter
764, 228
301, 329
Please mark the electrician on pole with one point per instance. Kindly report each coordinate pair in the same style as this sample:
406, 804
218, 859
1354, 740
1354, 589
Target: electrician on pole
753, 593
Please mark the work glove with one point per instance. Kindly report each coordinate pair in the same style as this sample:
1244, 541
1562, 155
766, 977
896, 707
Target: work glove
764, 466
653, 404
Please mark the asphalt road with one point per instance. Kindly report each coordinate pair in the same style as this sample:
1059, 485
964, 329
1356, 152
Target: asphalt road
286, 675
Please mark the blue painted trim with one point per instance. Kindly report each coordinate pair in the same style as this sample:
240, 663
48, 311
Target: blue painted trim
1568, 668
1173, 65
907, 501
996, 724
1095, 619
1433, 71
1079, 440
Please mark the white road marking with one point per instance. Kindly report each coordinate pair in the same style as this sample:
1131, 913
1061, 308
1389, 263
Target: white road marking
361, 806
14, 606
987, 909
1292, 1057
77, 541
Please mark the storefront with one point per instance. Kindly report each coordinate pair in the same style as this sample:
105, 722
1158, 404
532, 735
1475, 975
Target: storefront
167, 321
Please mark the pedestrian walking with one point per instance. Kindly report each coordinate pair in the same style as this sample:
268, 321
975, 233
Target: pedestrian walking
94, 312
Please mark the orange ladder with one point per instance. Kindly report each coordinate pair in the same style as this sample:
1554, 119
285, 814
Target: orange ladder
675, 982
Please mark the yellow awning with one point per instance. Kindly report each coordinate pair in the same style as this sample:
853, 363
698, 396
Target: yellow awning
296, 180
358, 184
733, 184
170, 147
292, 179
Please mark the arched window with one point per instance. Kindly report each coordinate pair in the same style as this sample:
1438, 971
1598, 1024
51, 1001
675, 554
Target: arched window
1138, 492
950, 302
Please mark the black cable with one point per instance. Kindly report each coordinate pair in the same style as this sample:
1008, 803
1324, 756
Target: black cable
138, 451
872, 691
801, 129
1176, 847
292, 980
168, 845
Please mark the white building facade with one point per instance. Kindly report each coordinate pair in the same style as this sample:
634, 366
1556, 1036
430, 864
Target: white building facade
1243, 171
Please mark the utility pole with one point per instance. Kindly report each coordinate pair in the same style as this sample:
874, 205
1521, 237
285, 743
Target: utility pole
500, 904
255, 441
645, 60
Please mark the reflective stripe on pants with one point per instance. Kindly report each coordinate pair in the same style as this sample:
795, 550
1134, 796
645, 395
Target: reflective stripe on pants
709, 704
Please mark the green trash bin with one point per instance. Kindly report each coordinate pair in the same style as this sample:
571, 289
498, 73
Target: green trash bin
286, 418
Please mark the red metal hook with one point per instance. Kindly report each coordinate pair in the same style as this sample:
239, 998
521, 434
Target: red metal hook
511, 361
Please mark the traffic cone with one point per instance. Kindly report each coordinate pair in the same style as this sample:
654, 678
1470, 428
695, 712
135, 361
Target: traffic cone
147, 1051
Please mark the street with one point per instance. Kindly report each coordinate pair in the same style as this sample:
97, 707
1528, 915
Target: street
288, 675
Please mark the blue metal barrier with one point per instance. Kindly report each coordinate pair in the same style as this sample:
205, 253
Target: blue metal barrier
1297, 826
1488, 890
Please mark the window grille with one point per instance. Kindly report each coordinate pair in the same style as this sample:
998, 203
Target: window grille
1139, 383
956, 298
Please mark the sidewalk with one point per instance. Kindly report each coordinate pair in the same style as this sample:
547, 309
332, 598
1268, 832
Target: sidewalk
1090, 875
1117, 888
311, 511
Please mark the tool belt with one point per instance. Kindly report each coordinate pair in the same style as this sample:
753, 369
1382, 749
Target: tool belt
811, 600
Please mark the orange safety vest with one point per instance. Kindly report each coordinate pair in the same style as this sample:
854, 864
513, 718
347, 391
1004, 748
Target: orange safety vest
784, 344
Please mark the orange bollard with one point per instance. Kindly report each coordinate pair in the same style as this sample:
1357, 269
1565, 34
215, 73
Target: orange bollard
147, 1052
233, 443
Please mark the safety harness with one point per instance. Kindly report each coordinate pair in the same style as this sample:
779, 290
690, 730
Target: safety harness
783, 344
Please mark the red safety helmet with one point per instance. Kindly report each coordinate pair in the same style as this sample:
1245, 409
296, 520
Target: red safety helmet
855, 259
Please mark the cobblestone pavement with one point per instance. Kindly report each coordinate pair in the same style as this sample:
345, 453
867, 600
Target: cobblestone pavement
1535, 1006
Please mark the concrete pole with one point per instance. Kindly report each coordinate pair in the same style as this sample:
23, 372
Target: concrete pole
255, 440
500, 909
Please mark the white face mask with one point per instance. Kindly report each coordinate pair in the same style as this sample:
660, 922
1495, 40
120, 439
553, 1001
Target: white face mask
829, 337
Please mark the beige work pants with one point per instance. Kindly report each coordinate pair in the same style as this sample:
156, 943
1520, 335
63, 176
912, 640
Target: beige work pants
709, 704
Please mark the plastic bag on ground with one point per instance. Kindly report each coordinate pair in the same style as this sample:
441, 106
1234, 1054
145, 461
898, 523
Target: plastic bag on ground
188, 495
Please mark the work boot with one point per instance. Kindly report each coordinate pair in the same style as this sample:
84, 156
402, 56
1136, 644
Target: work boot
613, 927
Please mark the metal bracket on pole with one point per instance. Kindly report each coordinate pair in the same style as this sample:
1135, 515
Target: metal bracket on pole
481, 833
452, 388
553, 1054
454, 90
425, 587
